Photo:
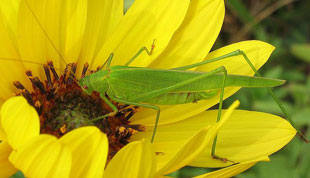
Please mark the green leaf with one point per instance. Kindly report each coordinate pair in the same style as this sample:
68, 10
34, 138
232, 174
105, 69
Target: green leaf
304, 163
127, 4
300, 93
302, 116
18, 175
240, 9
302, 51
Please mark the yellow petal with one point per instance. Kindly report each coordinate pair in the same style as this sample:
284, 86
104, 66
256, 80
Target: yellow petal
171, 159
145, 21
72, 26
50, 29
37, 24
257, 51
43, 157
9, 10
178, 153
2, 133
135, 160
195, 37
11, 70
247, 135
232, 170
102, 18
19, 120
7, 169
89, 147
9, 13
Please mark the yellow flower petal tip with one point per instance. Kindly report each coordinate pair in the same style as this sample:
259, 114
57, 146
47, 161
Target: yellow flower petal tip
247, 135
2, 133
43, 156
93, 145
232, 170
228, 113
158, 14
142, 161
7, 169
195, 37
18, 115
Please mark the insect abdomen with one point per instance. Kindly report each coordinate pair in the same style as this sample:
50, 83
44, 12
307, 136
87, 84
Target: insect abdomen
180, 97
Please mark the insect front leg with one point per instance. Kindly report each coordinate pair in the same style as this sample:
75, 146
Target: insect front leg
109, 103
107, 62
156, 108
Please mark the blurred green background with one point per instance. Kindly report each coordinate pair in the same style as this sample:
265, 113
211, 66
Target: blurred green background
286, 25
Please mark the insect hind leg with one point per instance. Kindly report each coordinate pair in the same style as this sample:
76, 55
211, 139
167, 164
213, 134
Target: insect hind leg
275, 98
219, 115
245, 57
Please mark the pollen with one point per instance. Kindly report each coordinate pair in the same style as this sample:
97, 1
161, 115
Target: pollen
63, 106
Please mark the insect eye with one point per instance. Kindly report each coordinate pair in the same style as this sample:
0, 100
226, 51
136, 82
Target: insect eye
85, 87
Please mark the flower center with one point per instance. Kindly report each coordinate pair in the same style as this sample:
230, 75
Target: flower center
63, 106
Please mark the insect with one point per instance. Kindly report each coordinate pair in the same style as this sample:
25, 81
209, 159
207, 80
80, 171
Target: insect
172, 86
166, 86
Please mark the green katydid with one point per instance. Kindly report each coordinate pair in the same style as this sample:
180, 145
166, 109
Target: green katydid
174, 86
160, 86
166, 87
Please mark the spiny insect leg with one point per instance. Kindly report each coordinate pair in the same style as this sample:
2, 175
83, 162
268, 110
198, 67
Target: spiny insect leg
219, 114
275, 98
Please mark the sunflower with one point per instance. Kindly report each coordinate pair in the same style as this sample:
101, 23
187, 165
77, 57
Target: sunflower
80, 35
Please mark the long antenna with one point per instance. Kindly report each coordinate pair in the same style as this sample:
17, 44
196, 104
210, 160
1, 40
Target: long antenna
72, 76
45, 33
27, 61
